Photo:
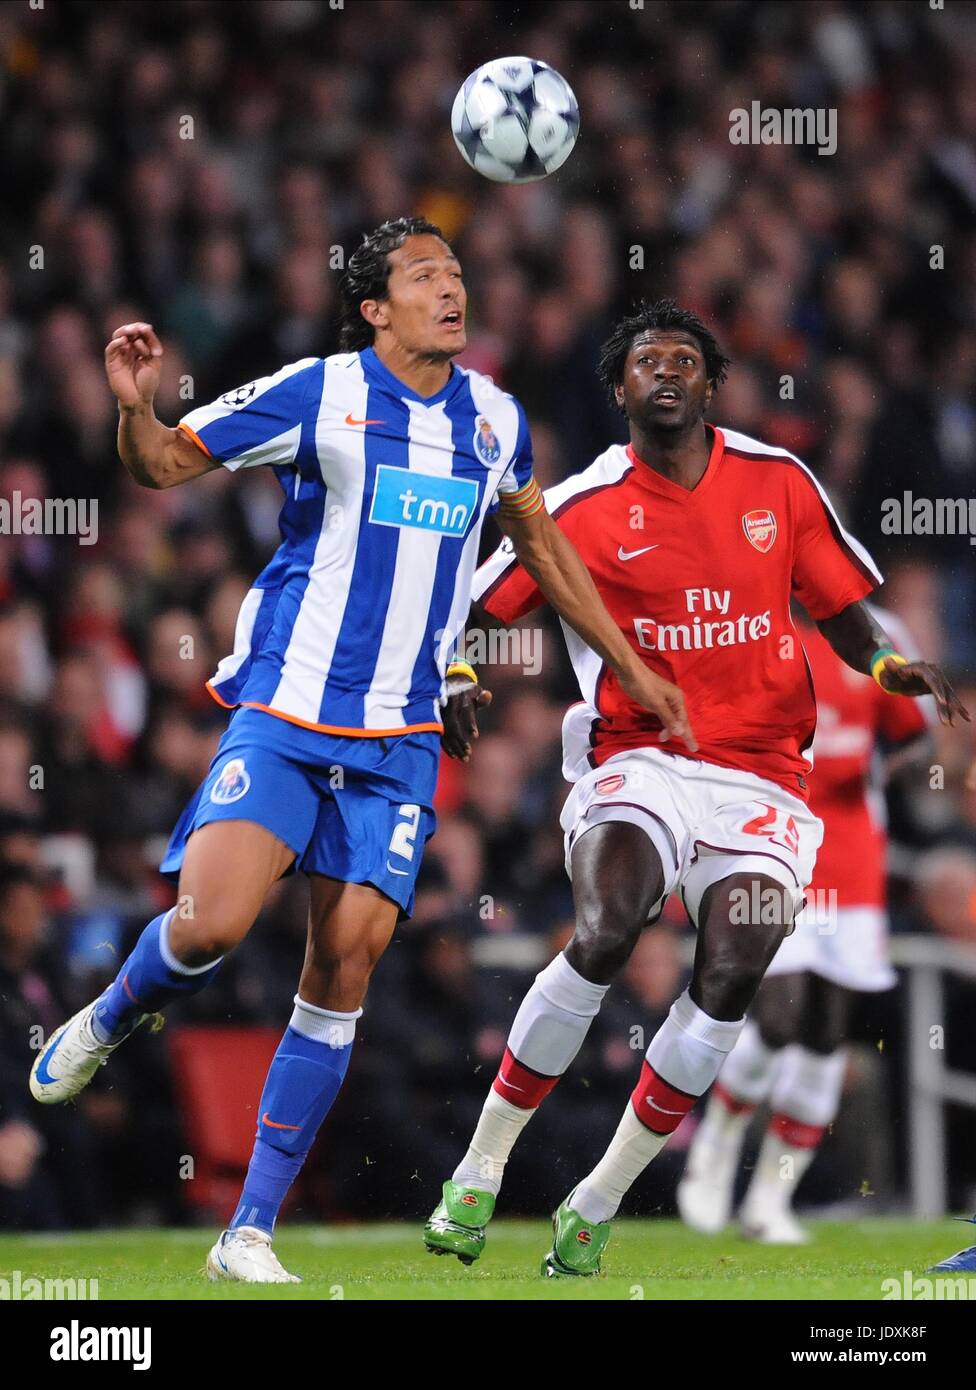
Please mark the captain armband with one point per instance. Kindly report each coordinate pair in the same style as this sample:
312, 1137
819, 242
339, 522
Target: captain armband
526, 502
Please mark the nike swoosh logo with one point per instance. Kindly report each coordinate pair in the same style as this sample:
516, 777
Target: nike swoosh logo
662, 1109
351, 421
511, 1085
632, 554
272, 1124
402, 872
42, 1073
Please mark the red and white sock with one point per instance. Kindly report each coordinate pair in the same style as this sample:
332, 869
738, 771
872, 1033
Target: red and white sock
682, 1061
743, 1083
548, 1031
804, 1100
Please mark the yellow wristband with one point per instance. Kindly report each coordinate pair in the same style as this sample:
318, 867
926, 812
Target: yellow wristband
878, 661
461, 668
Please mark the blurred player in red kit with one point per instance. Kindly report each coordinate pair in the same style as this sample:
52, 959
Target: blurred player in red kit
695, 536
791, 1053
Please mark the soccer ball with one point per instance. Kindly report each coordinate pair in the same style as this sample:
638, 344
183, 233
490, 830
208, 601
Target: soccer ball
515, 120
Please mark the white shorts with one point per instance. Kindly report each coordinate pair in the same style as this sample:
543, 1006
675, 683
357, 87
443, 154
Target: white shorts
847, 945
705, 822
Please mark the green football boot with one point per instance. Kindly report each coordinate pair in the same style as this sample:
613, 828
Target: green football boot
577, 1245
457, 1224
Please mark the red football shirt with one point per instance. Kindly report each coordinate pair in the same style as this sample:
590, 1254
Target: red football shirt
852, 712
699, 582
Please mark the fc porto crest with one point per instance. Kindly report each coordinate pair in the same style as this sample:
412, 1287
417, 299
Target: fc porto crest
233, 783
486, 441
760, 529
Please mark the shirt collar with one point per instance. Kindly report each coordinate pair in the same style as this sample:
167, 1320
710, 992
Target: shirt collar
656, 482
374, 367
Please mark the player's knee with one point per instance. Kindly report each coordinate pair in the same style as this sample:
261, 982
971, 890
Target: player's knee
601, 945
779, 1011
199, 933
336, 980
777, 1031
822, 1035
725, 988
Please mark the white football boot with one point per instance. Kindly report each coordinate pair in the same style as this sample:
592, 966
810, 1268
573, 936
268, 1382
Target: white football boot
771, 1225
245, 1254
72, 1057
704, 1193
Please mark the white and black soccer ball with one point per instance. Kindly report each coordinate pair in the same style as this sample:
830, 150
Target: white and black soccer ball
515, 120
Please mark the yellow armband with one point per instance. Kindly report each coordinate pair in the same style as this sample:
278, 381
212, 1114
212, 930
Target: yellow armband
462, 668
878, 663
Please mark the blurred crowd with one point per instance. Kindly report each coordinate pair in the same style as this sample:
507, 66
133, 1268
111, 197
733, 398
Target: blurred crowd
208, 167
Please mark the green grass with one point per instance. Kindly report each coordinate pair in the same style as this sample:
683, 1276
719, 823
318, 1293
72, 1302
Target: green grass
649, 1259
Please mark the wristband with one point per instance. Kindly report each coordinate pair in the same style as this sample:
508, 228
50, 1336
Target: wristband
462, 668
879, 659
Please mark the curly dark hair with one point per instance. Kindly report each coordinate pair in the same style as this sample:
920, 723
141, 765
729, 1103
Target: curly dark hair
663, 314
368, 272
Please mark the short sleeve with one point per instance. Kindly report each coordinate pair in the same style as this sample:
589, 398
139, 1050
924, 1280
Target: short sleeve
260, 423
518, 474
503, 587
831, 570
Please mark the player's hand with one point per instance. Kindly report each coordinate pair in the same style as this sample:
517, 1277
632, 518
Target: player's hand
663, 699
919, 678
464, 699
132, 361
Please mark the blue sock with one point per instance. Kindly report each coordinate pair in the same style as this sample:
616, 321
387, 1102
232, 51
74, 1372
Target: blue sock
151, 978
303, 1082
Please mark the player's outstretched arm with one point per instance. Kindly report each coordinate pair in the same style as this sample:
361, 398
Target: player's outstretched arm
555, 565
154, 455
863, 644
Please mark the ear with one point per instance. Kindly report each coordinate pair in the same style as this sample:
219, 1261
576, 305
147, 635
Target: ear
376, 312
709, 388
618, 395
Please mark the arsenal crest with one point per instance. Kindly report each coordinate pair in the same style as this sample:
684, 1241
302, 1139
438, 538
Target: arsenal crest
606, 785
760, 529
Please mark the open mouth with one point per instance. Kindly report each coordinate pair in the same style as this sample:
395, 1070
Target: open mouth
454, 319
667, 395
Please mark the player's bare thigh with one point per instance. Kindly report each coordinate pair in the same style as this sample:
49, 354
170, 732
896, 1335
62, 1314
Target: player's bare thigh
349, 928
618, 878
228, 869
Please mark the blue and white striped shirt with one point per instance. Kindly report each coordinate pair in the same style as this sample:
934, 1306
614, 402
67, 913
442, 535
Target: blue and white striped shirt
350, 626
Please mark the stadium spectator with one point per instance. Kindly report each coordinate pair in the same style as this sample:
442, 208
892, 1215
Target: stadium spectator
849, 347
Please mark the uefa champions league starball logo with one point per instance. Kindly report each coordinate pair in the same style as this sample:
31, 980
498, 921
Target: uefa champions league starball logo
240, 395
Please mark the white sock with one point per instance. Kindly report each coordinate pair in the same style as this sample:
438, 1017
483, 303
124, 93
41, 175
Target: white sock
499, 1125
682, 1061
749, 1068
548, 1031
804, 1100
631, 1149
743, 1082
807, 1085
553, 1019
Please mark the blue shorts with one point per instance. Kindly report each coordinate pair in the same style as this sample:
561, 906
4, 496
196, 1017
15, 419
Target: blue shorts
356, 809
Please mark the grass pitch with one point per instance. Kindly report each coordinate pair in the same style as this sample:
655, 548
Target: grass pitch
645, 1259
